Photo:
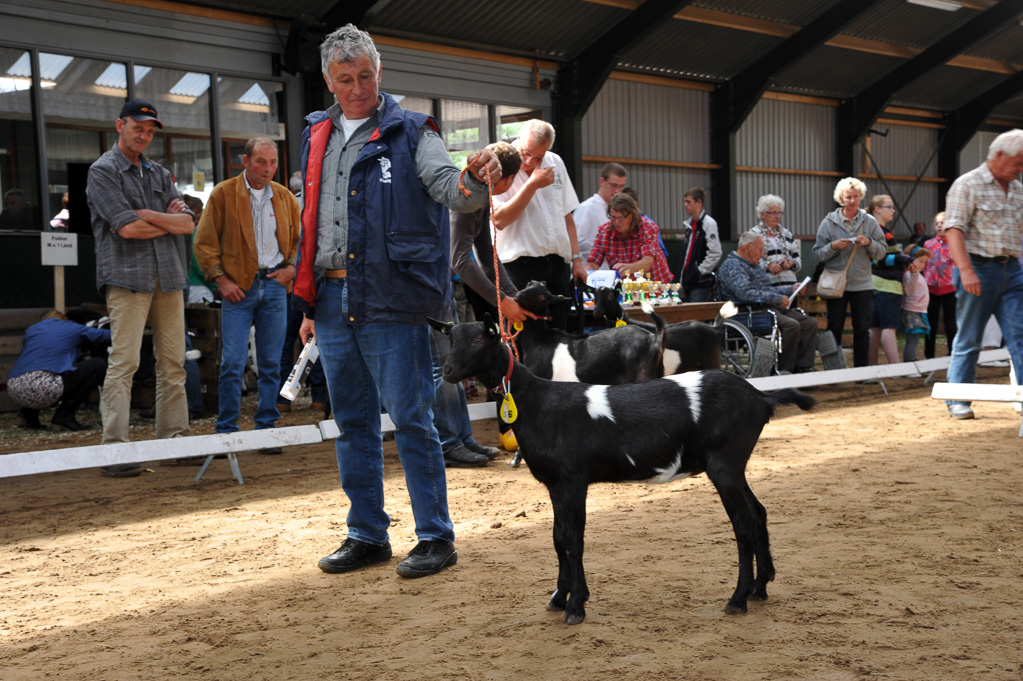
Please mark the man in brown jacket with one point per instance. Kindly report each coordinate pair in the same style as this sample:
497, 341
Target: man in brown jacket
247, 242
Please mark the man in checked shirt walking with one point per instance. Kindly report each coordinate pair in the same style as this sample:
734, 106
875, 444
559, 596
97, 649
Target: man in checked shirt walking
983, 214
136, 211
247, 242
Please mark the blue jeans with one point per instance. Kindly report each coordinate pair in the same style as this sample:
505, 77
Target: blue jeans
317, 382
1001, 294
387, 363
265, 306
451, 411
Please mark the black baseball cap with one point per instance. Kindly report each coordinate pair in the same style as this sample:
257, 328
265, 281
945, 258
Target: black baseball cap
140, 110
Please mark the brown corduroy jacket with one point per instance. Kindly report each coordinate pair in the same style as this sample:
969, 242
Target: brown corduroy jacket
225, 240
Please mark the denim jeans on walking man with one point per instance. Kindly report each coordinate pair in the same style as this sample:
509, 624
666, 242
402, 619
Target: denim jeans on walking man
265, 307
1001, 294
386, 364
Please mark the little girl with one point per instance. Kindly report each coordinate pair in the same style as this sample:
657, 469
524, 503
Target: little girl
914, 301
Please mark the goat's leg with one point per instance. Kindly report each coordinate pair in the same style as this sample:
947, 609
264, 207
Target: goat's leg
569, 502
732, 490
765, 564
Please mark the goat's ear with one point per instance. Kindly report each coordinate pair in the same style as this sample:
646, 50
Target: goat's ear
443, 327
618, 285
490, 326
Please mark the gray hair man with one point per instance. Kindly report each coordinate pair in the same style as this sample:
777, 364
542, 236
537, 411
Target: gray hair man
741, 279
373, 266
536, 231
982, 226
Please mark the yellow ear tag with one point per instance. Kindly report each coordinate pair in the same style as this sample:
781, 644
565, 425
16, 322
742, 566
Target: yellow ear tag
509, 412
620, 322
517, 326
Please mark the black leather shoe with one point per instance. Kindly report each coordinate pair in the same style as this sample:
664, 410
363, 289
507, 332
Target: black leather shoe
460, 457
428, 558
489, 452
355, 554
69, 422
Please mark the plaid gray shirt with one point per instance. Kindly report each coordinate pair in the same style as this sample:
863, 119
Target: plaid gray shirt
116, 189
989, 218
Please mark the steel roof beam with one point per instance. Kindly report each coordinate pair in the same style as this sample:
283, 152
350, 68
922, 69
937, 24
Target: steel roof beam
862, 111
738, 96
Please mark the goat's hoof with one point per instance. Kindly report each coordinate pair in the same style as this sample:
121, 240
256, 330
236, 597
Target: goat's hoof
759, 594
556, 607
574, 619
733, 609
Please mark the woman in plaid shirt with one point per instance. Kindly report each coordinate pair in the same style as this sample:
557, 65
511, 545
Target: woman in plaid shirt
629, 242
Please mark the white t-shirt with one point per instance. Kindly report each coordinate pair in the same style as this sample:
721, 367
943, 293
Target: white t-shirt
540, 230
589, 216
348, 127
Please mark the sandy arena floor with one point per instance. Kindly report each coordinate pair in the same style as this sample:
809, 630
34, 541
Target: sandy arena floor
895, 530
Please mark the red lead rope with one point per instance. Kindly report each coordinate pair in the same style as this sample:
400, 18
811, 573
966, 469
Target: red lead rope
507, 337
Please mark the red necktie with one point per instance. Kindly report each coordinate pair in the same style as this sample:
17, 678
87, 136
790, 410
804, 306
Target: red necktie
689, 251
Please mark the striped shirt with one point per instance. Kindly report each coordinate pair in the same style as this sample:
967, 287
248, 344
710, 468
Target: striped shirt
989, 217
264, 223
779, 245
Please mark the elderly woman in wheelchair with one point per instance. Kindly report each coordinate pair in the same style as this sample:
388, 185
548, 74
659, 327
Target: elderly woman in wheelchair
793, 335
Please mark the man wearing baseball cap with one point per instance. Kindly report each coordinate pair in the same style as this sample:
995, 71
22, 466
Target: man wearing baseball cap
136, 211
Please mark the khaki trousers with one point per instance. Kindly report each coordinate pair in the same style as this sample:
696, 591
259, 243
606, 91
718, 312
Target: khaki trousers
129, 311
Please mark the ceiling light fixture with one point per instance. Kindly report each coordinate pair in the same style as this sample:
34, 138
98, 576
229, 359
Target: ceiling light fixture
947, 5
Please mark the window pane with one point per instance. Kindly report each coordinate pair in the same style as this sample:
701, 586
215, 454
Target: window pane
182, 100
464, 127
81, 100
250, 108
18, 184
417, 104
510, 120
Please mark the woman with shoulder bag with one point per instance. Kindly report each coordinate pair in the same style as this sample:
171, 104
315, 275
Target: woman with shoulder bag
847, 240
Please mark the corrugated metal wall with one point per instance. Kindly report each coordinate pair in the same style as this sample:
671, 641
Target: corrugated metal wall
787, 136
647, 122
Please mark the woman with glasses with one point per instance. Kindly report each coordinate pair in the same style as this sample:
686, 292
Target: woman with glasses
886, 310
781, 258
628, 241
839, 234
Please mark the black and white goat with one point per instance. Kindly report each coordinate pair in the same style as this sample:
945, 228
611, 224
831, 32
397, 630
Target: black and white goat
575, 434
688, 346
608, 357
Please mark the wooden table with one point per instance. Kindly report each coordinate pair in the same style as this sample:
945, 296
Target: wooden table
684, 312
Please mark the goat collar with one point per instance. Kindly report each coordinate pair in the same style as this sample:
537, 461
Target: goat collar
503, 387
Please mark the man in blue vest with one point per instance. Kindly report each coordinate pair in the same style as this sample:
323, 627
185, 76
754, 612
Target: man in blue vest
373, 265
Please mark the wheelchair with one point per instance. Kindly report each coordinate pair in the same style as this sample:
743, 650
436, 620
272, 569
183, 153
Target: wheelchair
752, 339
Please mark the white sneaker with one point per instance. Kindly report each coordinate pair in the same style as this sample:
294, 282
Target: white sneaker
960, 412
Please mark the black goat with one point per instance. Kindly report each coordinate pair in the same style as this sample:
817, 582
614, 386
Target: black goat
688, 346
573, 435
608, 357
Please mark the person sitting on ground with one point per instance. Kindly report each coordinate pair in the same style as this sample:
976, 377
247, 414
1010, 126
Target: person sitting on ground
741, 280
49, 370
915, 299
627, 243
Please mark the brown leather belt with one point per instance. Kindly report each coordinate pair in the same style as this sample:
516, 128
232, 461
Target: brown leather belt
336, 274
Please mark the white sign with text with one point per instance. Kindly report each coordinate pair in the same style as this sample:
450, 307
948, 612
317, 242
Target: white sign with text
59, 248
